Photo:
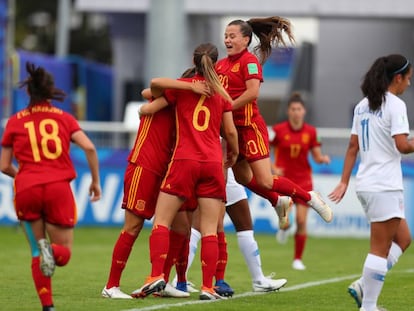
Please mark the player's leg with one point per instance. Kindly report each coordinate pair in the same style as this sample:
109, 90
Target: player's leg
159, 243
221, 286
401, 242
139, 185
243, 172
120, 254
35, 231
210, 213
180, 279
384, 213
60, 218
181, 265
179, 239
268, 186
29, 210
300, 236
375, 265
239, 213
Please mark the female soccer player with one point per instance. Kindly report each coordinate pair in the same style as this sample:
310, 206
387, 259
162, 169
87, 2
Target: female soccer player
147, 165
241, 74
294, 140
379, 134
195, 168
236, 202
39, 137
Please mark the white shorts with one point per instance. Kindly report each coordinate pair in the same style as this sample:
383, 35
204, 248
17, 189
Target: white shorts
381, 206
234, 191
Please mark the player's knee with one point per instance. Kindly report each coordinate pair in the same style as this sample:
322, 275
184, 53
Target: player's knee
61, 254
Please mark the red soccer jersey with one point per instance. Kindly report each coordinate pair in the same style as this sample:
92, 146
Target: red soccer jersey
233, 72
292, 151
155, 141
40, 137
198, 121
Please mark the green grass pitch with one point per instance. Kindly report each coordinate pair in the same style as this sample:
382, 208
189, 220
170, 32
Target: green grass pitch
332, 263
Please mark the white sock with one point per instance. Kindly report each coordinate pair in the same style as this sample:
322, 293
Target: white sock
375, 269
393, 255
250, 250
194, 239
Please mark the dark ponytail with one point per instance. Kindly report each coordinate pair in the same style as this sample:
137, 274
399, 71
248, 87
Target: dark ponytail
269, 30
40, 85
379, 77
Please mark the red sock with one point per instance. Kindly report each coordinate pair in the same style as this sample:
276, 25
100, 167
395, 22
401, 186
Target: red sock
159, 243
300, 241
285, 186
43, 284
182, 261
222, 256
120, 255
209, 256
270, 195
61, 254
176, 244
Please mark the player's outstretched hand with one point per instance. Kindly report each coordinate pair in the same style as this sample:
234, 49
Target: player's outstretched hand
338, 193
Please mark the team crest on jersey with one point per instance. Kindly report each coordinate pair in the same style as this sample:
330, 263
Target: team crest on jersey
286, 137
140, 205
235, 68
305, 138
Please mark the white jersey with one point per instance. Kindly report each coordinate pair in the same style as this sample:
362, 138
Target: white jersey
380, 166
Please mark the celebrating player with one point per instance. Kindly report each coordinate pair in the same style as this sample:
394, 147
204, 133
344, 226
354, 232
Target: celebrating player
147, 165
241, 75
39, 137
195, 168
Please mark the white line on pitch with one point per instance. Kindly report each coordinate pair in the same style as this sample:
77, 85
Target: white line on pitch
247, 294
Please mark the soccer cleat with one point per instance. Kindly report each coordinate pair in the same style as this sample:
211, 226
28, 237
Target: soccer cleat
268, 284
152, 285
191, 287
320, 206
210, 294
376, 309
223, 289
356, 291
297, 264
47, 261
282, 236
170, 291
282, 210
114, 293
